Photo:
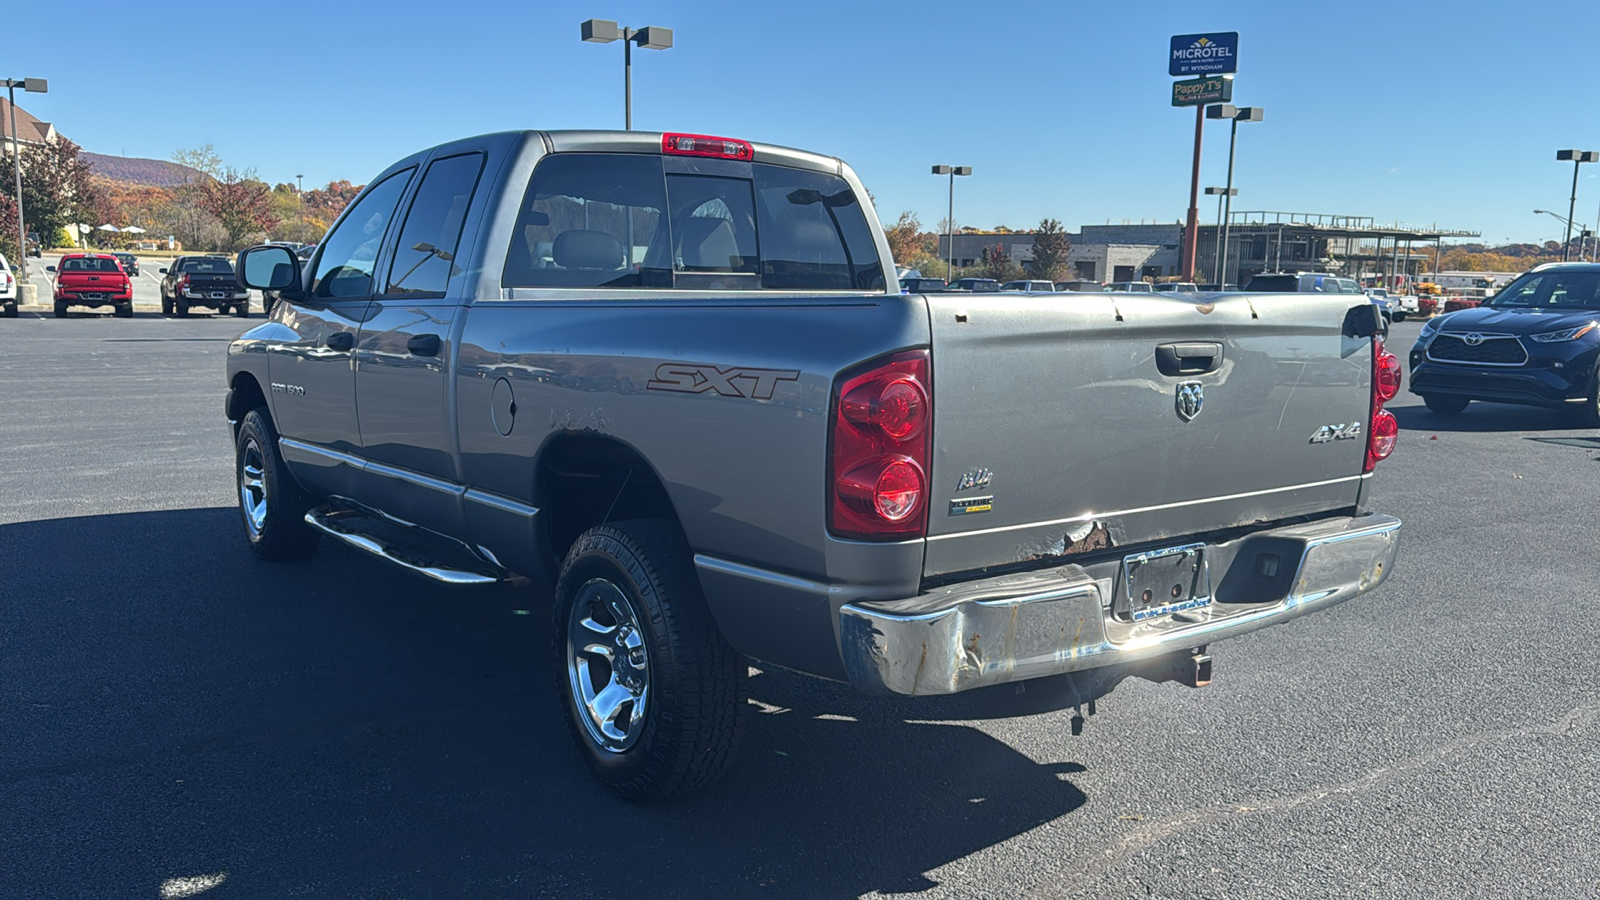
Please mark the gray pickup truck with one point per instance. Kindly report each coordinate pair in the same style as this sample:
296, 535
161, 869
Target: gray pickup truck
675, 375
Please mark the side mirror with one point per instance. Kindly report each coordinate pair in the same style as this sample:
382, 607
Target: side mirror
268, 268
49, 268
162, 270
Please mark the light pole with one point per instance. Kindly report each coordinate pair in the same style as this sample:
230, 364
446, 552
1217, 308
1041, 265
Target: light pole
1237, 114
1216, 256
35, 86
1578, 157
950, 217
1583, 230
650, 37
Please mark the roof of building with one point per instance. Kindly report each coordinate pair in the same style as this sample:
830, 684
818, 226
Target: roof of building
29, 128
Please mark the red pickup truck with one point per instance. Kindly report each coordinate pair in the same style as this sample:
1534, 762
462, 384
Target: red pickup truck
92, 279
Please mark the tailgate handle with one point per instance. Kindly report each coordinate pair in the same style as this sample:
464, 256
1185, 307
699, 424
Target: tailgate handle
1188, 358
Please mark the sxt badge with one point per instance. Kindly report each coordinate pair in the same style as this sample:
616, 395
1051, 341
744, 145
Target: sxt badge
734, 381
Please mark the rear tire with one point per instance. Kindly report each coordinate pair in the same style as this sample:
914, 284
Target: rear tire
61, 310
272, 504
124, 312
183, 308
1399, 317
10, 311
628, 592
166, 305
1446, 404
242, 310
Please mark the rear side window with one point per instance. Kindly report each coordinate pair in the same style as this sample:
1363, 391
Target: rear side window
425, 256
622, 221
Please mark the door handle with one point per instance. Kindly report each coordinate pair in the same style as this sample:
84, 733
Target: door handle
423, 345
1188, 357
340, 340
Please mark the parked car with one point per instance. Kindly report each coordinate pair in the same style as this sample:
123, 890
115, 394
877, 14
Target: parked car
33, 245
93, 280
1131, 287
921, 285
1176, 287
1537, 342
976, 285
206, 281
8, 290
1316, 283
498, 362
130, 263
1081, 286
1033, 287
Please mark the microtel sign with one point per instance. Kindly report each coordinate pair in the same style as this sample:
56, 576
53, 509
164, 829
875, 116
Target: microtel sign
1204, 54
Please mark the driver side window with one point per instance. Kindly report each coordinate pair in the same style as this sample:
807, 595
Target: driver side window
350, 251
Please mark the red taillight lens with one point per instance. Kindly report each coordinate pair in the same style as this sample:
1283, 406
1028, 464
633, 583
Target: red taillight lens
1383, 431
879, 449
705, 145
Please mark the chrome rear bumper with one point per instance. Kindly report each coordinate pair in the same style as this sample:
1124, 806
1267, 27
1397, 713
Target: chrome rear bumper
1018, 627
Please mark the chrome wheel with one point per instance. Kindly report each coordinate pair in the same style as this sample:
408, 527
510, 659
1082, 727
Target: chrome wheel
608, 666
252, 487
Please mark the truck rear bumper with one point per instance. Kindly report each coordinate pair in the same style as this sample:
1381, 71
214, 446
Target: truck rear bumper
1018, 627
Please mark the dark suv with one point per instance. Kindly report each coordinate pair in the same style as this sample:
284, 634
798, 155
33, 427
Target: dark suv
1536, 342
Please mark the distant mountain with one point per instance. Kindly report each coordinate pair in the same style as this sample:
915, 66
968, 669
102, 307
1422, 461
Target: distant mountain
151, 172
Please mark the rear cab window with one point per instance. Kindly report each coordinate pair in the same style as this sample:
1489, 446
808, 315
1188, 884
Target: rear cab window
613, 220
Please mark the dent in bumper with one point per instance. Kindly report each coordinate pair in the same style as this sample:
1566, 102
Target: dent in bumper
1030, 626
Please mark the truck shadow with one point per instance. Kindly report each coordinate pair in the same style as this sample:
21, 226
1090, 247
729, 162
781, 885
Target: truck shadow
175, 708
1482, 417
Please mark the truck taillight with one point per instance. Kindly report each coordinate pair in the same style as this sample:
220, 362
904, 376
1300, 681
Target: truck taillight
705, 145
1383, 430
183, 282
879, 448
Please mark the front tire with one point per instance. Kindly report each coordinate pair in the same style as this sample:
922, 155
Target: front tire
1445, 404
272, 504
1590, 416
1400, 317
166, 305
652, 693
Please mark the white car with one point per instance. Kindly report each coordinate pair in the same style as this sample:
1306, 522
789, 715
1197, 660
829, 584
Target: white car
8, 290
1031, 286
1132, 287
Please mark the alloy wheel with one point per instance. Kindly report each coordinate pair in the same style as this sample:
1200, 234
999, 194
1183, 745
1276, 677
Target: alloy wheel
608, 666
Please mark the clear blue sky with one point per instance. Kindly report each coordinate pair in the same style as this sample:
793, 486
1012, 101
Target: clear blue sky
1425, 112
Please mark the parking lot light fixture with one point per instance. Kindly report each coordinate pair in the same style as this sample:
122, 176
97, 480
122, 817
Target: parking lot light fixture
650, 37
1578, 158
1236, 114
1216, 256
32, 86
950, 217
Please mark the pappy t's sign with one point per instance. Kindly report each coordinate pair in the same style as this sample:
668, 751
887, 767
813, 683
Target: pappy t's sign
1204, 54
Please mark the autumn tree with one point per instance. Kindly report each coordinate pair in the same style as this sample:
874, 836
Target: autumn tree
997, 264
241, 203
56, 188
1050, 246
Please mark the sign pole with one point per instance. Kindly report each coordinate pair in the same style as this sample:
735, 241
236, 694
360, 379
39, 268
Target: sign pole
1191, 235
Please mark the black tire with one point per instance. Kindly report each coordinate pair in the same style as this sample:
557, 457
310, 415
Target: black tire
1446, 404
166, 305
242, 310
61, 310
694, 682
279, 532
9, 312
183, 308
1400, 317
124, 312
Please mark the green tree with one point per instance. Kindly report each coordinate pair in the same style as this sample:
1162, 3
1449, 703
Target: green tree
1050, 246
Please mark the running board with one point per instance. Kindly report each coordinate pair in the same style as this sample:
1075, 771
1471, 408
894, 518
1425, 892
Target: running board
374, 535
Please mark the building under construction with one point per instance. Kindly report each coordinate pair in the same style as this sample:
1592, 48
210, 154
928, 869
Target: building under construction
1354, 246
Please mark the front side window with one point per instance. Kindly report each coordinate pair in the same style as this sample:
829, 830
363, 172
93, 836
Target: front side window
425, 255
350, 251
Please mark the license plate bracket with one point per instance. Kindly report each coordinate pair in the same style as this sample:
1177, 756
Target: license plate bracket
1161, 582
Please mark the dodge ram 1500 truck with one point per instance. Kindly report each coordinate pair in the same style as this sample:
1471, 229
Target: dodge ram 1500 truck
674, 374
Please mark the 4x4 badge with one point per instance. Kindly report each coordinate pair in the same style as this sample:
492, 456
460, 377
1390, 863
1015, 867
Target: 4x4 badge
1191, 399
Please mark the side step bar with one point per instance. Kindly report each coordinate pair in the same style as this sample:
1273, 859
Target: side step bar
366, 533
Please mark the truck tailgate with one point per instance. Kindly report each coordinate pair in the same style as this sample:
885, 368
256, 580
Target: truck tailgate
1069, 425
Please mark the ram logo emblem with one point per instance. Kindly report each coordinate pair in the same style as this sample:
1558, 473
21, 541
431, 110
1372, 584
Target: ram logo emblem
1191, 399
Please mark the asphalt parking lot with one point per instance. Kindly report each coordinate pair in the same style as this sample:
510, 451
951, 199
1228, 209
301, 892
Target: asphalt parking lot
177, 717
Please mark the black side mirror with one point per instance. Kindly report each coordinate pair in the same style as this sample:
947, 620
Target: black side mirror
49, 268
162, 270
269, 268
